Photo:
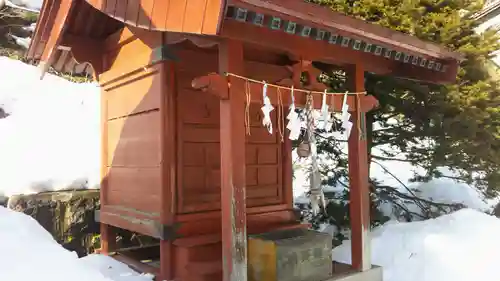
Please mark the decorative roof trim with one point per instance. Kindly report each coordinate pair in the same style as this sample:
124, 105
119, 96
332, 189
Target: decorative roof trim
331, 36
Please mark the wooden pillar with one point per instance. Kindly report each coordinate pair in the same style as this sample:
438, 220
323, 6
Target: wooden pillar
108, 235
359, 195
108, 239
168, 164
232, 142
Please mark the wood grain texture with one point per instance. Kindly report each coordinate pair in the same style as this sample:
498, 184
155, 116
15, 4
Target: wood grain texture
176, 15
199, 142
132, 132
214, 14
359, 191
108, 237
60, 19
146, 227
135, 141
130, 98
132, 12
136, 188
168, 132
188, 16
111, 7
233, 182
159, 15
200, 160
132, 50
121, 9
195, 11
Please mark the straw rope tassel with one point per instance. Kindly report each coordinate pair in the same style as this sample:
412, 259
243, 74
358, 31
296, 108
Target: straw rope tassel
316, 196
281, 120
247, 107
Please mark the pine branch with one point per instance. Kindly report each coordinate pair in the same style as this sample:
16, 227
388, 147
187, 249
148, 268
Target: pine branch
406, 210
402, 184
413, 197
382, 158
393, 128
451, 177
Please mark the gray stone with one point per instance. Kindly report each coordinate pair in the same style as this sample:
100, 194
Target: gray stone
300, 255
67, 215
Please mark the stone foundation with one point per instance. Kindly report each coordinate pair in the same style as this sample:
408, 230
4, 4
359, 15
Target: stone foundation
69, 217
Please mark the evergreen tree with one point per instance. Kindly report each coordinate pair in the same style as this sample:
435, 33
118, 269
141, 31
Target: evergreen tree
455, 126
461, 122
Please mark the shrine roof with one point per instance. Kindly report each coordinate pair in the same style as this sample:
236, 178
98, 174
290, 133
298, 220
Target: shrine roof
297, 27
320, 18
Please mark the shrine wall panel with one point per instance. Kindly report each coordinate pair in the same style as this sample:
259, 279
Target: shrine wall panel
132, 141
134, 97
134, 188
199, 149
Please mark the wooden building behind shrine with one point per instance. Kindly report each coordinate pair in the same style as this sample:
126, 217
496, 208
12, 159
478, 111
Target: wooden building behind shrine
177, 161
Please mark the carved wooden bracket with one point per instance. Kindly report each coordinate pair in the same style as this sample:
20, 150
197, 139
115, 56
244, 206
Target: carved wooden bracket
312, 73
85, 50
199, 41
212, 83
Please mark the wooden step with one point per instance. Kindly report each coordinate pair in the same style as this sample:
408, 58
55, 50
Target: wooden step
137, 265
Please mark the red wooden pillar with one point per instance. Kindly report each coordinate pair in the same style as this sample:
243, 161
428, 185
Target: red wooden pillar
359, 195
108, 239
232, 142
108, 235
168, 164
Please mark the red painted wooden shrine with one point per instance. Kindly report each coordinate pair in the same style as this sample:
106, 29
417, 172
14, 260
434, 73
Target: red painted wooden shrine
176, 161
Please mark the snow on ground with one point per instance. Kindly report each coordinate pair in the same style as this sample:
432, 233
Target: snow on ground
113, 269
462, 246
441, 190
28, 252
50, 140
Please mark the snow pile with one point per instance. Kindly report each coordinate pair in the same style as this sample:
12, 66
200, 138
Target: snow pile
459, 246
439, 190
28, 252
113, 269
50, 140
444, 190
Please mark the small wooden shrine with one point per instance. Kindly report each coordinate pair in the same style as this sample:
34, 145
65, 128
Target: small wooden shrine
185, 157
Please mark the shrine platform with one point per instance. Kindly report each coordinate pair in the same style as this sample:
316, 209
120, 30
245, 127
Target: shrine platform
143, 260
